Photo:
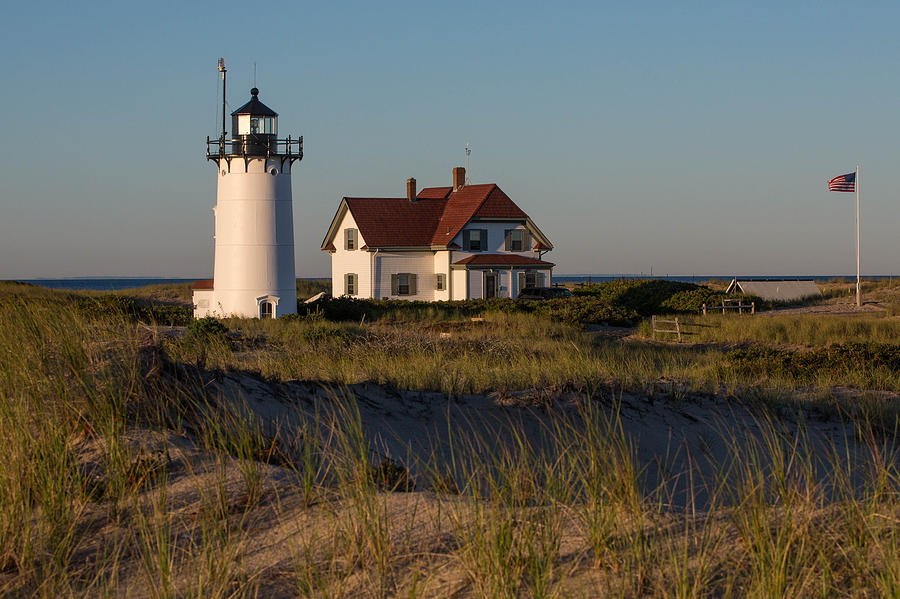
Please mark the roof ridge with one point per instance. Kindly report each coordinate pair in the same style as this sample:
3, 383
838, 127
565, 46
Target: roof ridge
491, 187
480, 204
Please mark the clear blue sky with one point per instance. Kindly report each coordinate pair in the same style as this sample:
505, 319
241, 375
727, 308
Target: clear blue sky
690, 137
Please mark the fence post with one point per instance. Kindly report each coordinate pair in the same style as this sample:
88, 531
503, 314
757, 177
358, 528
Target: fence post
723, 306
704, 309
752, 307
653, 320
678, 329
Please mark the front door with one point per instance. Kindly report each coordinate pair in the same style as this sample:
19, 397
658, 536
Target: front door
490, 285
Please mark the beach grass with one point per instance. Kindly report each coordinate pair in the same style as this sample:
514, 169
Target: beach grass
124, 476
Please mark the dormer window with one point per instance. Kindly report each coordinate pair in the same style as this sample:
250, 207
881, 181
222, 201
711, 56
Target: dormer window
517, 240
475, 240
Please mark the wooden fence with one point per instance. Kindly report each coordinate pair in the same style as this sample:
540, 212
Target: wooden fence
656, 321
732, 304
677, 326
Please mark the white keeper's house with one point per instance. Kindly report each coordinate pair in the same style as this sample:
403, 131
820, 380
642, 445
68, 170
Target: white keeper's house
442, 243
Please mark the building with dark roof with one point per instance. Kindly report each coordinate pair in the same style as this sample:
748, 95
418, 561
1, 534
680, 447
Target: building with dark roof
442, 243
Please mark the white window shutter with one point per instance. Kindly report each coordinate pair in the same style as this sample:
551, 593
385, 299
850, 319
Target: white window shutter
395, 284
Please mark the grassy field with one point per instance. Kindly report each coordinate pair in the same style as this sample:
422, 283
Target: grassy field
124, 475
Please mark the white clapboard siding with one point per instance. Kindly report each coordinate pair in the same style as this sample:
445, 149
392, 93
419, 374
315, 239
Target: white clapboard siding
420, 264
351, 261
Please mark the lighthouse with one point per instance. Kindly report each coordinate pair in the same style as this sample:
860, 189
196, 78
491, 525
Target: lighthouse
253, 274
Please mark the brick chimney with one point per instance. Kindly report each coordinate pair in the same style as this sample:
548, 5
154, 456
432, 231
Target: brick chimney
459, 177
411, 189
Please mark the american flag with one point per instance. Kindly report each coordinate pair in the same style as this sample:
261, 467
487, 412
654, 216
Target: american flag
843, 183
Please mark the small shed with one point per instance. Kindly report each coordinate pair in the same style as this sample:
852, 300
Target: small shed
778, 290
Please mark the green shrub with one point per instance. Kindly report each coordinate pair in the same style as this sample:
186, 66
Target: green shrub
206, 328
690, 300
590, 310
648, 297
615, 303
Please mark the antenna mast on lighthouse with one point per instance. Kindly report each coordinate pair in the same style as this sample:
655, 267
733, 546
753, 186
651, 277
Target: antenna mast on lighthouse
468, 151
223, 70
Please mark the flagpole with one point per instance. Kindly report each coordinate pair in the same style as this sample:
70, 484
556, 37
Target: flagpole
858, 297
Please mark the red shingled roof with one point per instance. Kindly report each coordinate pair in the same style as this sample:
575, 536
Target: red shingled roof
203, 284
435, 218
502, 260
498, 205
396, 222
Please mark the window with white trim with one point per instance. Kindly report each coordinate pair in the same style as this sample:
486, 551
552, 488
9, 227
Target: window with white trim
517, 240
351, 286
440, 281
349, 239
530, 278
475, 240
403, 283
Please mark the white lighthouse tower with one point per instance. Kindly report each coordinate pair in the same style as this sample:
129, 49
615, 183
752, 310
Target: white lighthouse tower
253, 274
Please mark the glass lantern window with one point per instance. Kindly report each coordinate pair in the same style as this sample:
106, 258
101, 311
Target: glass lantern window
243, 124
263, 125
248, 124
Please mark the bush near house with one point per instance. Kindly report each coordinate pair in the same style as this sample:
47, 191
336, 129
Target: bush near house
648, 297
353, 309
614, 303
587, 310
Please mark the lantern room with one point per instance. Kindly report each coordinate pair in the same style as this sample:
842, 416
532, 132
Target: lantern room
255, 127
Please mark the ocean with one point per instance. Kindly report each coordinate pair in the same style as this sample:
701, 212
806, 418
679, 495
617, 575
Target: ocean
115, 283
